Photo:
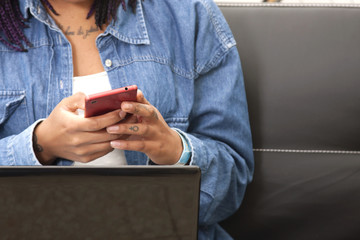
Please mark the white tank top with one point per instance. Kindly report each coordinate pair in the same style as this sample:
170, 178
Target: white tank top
91, 84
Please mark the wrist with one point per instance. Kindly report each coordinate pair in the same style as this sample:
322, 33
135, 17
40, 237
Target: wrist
177, 150
39, 147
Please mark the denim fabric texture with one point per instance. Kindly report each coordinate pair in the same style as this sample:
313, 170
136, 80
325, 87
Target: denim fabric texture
181, 54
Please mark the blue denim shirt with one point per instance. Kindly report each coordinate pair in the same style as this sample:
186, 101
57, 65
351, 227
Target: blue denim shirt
183, 57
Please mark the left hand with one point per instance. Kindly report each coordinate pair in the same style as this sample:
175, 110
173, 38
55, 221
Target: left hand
150, 135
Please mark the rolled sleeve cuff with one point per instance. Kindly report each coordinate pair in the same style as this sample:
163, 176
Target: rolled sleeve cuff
20, 148
185, 157
199, 155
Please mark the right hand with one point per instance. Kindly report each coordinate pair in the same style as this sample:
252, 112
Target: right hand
64, 134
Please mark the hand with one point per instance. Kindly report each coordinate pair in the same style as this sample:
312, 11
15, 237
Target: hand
150, 135
66, 135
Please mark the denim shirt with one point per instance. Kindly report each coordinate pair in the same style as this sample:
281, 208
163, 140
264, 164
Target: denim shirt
181, 54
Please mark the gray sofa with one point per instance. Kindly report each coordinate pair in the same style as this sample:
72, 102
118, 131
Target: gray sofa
302, 73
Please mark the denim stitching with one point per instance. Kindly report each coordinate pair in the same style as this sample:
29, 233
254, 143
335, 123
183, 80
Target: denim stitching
226, 41
160, 60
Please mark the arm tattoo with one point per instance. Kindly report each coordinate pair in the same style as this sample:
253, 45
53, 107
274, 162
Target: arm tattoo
37, 147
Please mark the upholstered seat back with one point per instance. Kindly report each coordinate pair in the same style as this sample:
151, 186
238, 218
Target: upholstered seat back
301, 66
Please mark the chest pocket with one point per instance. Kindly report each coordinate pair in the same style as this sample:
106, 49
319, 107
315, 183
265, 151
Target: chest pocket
13, 112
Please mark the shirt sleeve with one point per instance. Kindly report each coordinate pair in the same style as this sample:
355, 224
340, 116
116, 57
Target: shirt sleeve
220, 140
17, 150
219, 131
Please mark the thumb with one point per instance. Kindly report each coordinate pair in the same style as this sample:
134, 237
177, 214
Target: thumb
75, 102
141, 98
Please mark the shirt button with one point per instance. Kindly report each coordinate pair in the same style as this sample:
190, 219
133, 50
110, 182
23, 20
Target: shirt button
108, 63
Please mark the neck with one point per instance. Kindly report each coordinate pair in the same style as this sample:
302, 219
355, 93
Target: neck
66, 6
72, 20
70, 11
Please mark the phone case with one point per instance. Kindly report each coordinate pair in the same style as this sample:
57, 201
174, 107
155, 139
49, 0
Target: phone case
104, 102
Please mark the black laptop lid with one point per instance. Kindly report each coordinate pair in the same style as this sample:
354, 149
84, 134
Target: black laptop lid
130, 202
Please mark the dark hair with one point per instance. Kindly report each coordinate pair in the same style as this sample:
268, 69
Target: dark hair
12, 22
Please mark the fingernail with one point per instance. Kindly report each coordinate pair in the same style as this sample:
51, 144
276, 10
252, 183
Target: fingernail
112, 129
115, 144
126, 106
122, 114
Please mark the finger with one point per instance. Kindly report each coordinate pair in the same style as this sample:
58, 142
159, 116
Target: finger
140, 109
129, 120
93, 152
141, 98
135, 145
127, 117
87, 138
74, 102
99, 122
123, 114
130, 129
84, 153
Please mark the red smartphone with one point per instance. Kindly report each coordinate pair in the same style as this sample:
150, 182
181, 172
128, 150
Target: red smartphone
104, 102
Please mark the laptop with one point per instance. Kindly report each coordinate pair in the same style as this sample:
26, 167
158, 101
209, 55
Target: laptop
128, 202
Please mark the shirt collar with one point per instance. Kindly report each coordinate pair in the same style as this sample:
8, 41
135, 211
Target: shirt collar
33, 7
128, 27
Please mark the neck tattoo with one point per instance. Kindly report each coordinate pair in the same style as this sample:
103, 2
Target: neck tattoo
81, 31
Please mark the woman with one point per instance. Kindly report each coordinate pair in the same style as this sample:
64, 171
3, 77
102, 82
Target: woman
181, 54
